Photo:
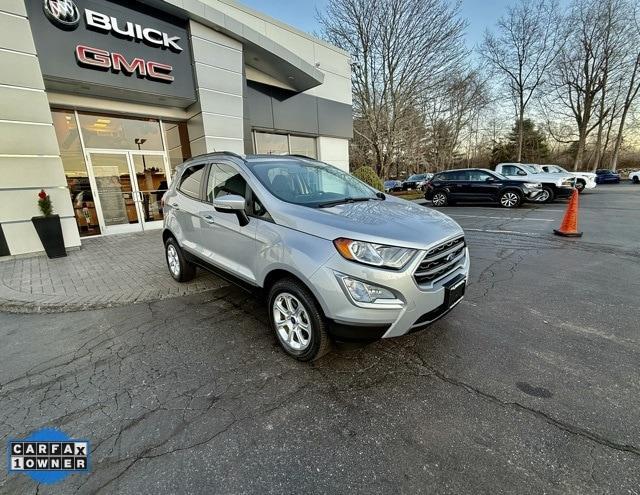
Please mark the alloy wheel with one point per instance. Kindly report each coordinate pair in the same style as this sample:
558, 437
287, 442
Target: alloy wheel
439, 199
509, 199
542, 197
291, 321
173, 260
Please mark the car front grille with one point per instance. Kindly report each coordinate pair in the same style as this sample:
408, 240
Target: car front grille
440, 261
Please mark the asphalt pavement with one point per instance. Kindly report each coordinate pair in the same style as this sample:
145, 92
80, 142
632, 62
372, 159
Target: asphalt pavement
531, 385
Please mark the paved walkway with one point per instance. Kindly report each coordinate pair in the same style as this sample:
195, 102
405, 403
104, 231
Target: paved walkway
106, 271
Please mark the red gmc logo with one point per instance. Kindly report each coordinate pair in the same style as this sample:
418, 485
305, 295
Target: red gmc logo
116, 62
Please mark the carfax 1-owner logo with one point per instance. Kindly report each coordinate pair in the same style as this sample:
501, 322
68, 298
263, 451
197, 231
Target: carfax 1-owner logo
48, 456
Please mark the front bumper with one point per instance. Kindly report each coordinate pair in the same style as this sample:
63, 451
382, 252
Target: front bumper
422, 304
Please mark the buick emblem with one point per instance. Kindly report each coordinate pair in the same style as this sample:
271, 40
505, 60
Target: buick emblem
450, 257
62, 13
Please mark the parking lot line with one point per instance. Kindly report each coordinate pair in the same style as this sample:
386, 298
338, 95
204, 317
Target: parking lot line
502, 218
493, 231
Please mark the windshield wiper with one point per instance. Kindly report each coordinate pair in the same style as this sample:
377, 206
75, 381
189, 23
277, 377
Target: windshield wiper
329, 204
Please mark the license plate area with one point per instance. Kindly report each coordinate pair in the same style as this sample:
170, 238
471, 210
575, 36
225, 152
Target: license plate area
454, 291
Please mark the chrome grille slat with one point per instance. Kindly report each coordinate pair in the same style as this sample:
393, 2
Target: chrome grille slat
440, 268
435, 265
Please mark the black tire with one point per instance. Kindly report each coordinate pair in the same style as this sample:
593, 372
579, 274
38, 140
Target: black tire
319, 342
440, 199
580, 185
185, 270
510, 199
636, 179
551, 194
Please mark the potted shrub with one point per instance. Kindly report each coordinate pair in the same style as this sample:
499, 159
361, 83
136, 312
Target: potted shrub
48, 228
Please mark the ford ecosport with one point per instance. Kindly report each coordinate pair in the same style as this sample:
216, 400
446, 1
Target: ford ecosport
335, 257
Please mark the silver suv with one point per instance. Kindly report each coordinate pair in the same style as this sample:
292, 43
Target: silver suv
335, 257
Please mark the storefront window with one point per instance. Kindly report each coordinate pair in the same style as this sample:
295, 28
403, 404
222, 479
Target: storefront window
125, 133
301, 145
75, 170
285, 144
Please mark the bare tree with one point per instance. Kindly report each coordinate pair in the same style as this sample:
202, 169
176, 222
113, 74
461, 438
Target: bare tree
402, 52
526, 44
632, 80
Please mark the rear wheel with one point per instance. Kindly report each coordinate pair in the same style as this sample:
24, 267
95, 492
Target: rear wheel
546, 196
297, 320
636, 179
440, 199
510, 199
179, 268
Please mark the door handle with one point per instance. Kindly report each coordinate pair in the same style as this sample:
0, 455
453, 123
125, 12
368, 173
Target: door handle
209, 218
174, 206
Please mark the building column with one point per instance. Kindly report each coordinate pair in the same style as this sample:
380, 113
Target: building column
217, 121
29, 153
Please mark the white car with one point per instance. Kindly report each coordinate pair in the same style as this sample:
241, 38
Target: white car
554, 186
635, 177
584, 180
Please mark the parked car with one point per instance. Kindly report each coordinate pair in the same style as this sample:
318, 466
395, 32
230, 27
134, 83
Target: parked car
334, 256
478, 184
416, 181
584, 180
553, 185
635, 177
392, 185
606, 176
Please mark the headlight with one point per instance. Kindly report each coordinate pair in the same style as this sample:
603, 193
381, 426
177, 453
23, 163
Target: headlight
373, 254
363, 293
530, 185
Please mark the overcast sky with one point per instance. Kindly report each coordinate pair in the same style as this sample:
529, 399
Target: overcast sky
479, 13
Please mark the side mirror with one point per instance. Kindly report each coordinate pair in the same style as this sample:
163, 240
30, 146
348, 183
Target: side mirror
490, 179
232, 203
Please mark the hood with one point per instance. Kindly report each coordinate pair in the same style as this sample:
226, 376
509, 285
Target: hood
393, 221
545, 177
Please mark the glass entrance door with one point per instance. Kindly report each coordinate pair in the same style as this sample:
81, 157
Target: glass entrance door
129, 186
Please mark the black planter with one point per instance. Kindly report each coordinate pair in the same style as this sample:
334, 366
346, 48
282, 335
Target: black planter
50, 233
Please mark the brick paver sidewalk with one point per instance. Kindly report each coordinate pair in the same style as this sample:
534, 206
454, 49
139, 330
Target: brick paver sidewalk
106, 271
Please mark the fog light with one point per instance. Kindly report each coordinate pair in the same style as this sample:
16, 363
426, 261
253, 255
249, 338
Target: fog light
363, 292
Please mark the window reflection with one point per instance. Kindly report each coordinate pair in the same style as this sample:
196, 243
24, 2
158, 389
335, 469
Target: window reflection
284, 144
126, 133
75, 170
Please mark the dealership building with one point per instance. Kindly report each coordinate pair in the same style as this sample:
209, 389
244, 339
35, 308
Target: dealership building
100, 100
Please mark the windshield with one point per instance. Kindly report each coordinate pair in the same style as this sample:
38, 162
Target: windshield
531, 169
309, 183
417, 177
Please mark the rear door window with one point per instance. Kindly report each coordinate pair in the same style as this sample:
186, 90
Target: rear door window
191, 181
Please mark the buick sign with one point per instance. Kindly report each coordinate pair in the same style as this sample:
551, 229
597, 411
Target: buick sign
63, 13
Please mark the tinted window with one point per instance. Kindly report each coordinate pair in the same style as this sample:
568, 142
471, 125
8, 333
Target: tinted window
477, 175
456, 175
191, 180
225, 180
511, 170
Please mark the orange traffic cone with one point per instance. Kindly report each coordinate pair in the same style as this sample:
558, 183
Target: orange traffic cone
569, 226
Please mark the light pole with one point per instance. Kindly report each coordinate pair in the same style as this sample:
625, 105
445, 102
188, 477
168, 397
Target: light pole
140, 142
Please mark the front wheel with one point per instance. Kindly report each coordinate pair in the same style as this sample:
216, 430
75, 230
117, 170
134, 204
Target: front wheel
546, 196
636, 179
298, 321
439, 199
179, 268
580, 185
510, 199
